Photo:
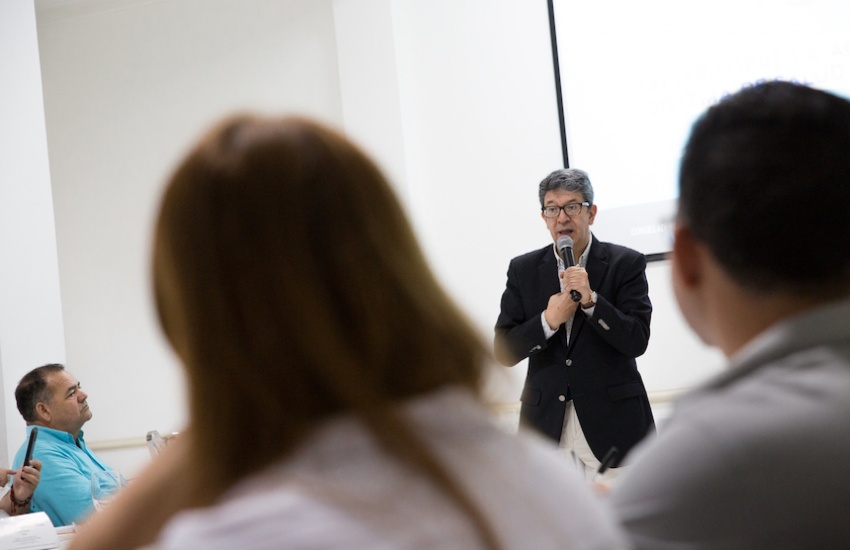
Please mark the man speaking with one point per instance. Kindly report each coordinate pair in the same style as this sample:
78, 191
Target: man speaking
579, 310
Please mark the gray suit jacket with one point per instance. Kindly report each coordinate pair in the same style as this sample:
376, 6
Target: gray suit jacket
757, 457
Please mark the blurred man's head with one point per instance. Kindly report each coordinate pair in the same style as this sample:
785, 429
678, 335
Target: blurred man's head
765, 194
51, 397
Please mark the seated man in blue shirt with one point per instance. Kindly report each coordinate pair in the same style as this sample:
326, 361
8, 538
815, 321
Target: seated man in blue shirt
51, 398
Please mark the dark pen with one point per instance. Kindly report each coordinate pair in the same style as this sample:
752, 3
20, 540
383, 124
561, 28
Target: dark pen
607, 460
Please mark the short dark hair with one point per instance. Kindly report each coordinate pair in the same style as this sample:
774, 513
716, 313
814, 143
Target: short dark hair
764, 183
567, 179
32, 389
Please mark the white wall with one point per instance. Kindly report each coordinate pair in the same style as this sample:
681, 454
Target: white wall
127, 86
480, 130
454, 98
478, 118
30, 309
369, 88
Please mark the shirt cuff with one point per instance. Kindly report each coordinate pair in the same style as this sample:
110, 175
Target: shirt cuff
548, 332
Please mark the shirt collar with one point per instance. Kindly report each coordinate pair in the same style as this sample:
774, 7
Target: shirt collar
57, 434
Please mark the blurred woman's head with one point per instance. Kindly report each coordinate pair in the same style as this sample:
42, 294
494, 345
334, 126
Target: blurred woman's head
289, 282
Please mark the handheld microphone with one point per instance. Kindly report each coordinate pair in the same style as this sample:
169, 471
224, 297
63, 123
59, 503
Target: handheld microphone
565, 245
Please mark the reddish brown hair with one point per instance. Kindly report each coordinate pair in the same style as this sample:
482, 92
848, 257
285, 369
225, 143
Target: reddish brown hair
290, 283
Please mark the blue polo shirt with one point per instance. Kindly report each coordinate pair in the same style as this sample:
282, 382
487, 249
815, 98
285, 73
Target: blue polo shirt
64, 492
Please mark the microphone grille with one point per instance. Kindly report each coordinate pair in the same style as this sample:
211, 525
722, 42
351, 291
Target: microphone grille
565, 241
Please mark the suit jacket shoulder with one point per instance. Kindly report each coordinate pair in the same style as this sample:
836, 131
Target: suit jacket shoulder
533, 258
602, 249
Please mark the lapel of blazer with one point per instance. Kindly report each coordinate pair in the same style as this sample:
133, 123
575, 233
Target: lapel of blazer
597, 267
547, 276
597, 264
547, 284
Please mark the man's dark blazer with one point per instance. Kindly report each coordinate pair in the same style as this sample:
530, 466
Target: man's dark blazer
598, 369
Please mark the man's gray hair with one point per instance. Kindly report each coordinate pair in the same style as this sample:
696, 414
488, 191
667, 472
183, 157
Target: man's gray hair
567, 179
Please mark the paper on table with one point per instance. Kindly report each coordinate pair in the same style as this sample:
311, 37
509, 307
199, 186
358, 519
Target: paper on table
28, 532
65, 533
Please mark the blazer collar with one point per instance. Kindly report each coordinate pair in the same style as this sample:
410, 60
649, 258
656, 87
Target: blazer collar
597, 263
597, 266
547, 273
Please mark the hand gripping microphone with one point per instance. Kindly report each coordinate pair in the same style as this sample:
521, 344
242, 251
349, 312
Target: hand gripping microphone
565, 245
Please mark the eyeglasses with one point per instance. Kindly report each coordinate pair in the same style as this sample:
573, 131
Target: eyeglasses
570, 209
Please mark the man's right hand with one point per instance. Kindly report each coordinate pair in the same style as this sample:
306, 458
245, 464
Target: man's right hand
26, 480
560, 308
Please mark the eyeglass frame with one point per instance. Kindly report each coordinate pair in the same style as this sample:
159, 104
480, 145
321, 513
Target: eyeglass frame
564, 209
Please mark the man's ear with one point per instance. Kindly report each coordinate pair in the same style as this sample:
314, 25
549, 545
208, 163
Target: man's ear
591, 214
686, 257
43, 412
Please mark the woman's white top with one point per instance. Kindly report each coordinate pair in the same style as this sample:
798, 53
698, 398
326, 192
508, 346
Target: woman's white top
340, 490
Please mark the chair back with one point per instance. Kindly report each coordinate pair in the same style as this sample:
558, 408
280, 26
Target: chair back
157, 442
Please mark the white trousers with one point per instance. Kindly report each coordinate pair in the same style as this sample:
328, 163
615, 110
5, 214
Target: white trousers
574, 445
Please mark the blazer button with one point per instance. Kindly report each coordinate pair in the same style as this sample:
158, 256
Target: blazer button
562, 398
569, 362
